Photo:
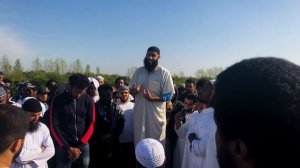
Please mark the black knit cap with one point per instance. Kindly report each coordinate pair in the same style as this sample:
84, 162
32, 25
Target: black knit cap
32, 105
153, 49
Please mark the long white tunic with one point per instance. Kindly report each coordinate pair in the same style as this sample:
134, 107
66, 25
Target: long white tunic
149, 117
202, 124
127, 110
180, 144
32, 154
211, 151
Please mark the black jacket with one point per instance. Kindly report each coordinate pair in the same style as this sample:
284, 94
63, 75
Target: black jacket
110, 120
72, 120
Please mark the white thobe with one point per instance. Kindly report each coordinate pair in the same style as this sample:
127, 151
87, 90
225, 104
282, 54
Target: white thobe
180, 144
202, 124
127, 110
211, 151
32, 154
149, 117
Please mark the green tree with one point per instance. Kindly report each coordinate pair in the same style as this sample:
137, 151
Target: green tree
210, 73
181, 74
49, 65
130, 71
6, 65
97, 70
37, 64
18, 71
87, 69
214, 72
200, 73
61, 65
77, 66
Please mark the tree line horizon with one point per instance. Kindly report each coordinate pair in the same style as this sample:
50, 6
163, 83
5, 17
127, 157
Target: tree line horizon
59, 69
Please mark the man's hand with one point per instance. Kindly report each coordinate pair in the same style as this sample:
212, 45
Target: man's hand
43, 148
192, 136
147, 95
74, 153
135, 89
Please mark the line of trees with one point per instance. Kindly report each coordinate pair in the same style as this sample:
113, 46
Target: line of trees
59, 69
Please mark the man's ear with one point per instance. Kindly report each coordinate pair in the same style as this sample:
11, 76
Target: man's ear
16, 145
238, 150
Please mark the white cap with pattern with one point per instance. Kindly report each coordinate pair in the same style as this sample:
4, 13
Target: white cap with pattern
150, 153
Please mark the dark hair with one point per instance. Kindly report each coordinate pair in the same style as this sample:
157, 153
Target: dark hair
258, 101
153, 49
105, 87
200, 83
115, 95
192, 97
190, 80
121, 78
49, 85
180, 90
13, 125
79, 81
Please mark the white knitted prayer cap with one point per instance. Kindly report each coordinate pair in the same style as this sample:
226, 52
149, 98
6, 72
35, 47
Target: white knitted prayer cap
150, 153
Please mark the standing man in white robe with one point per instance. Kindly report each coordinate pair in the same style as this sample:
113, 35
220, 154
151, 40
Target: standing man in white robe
38, 146
200, 148
152, 86
182, 127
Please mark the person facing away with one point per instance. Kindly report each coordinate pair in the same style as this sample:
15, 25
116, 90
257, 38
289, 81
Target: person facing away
152, 86
150, 154
258, 114
13, 126
72, 119
109, 126
38, 146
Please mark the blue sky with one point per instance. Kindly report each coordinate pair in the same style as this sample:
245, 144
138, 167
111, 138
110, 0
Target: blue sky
114, 34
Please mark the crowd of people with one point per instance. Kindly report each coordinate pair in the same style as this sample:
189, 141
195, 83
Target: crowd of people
248, 117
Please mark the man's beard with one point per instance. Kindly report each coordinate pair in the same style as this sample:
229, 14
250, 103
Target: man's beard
33, 126
124, 100
150, 65
225, 157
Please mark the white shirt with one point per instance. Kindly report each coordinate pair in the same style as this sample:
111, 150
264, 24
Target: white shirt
32, 154
211, 150
180, 144
202, 124
127, 134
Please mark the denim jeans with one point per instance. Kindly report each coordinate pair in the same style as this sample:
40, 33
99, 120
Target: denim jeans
63, 161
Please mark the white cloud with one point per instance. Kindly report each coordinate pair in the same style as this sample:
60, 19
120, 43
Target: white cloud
15, 47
